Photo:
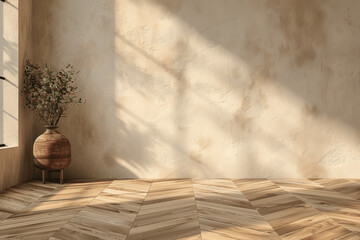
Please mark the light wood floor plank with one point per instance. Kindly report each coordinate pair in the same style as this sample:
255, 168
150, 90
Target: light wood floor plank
284, 210
225, 212
110, 214
187, 209
17, 198
331, 197
167, 214
40, 219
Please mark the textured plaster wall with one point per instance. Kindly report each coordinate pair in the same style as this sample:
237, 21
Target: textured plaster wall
16, 162
208, 88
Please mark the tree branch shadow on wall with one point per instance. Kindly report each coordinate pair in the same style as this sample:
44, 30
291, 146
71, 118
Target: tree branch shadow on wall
239, 131
294, 58
104, 144
253, 168
156, 133
303, 51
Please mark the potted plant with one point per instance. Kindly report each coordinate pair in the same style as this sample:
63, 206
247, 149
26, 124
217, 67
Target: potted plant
49, 93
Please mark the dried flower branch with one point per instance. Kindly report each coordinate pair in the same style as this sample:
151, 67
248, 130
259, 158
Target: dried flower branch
49, 92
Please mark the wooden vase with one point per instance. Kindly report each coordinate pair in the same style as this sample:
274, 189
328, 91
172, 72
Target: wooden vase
52, 151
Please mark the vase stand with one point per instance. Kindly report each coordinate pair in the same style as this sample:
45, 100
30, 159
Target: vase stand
43, 174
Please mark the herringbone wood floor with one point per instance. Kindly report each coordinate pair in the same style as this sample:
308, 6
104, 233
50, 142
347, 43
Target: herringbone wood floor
183, 209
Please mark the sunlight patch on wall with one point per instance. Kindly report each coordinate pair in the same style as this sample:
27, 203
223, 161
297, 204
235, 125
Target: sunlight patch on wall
208, 89
202, 104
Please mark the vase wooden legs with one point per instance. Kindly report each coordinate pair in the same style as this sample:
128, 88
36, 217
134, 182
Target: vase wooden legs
61, 176
49, 172
43, 176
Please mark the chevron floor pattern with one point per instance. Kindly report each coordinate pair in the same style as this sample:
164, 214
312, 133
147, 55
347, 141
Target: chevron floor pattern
166, 209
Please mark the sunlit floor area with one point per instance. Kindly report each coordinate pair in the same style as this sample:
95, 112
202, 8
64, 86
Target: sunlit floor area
183, 209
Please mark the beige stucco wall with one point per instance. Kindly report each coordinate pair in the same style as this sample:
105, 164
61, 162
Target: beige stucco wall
16, 161
208, 88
